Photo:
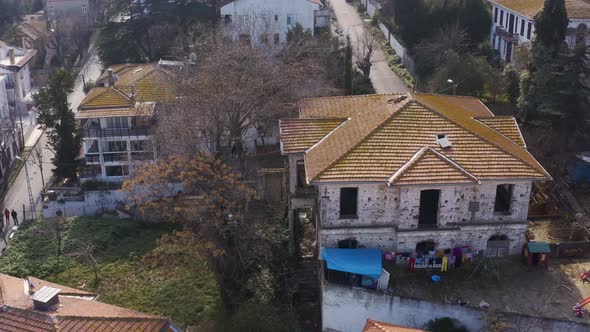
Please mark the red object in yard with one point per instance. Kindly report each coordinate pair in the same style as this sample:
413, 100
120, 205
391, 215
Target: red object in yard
585, 277
579, 307
412, 262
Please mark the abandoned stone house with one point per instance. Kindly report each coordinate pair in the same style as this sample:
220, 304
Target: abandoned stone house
397, 171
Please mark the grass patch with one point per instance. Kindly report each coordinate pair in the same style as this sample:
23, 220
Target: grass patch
129, 275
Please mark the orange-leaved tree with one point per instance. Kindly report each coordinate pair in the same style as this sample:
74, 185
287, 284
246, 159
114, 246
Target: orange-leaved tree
209, 199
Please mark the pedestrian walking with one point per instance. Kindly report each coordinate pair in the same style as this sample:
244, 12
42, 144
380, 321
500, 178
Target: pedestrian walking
2, 230
14, 217
7, 215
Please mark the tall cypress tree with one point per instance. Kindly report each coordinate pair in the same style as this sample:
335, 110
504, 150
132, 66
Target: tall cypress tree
348, 68
539, 81
54, 112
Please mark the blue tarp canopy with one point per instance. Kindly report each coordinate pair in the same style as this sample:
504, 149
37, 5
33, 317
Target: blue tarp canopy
366, 262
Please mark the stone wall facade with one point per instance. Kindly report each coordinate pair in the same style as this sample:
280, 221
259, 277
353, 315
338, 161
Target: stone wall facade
387, 217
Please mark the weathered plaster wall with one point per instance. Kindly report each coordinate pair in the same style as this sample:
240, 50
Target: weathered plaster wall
347, 309
384, 209
292, 160
379, 204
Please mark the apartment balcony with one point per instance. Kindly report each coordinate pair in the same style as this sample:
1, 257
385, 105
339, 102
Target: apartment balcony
90, 171
92, 159
95, 132
116, 157
508, 36
142, 156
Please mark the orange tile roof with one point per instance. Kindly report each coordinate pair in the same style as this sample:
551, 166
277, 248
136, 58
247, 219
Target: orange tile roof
505, 125
576, 9
78, 311
298, 135
105, 97
375, 326
376, 143
430, 166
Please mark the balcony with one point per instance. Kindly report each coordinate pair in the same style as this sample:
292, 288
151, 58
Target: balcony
92, 159
142, 156
508, 36
90, 171
116, 132
115, 157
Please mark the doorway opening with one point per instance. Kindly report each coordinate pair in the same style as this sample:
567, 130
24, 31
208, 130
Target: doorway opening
428, 215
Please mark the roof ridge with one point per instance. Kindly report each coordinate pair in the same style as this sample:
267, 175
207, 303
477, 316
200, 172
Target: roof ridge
443, 95
516, 124
404, 102
376, 325
355, 96
419, 155
511, 153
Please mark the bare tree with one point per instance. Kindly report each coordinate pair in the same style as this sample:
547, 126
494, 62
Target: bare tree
364, 51
38, 160
230, 91
84, 251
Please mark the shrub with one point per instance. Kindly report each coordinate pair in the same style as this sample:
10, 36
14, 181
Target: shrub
361, 85
445, 324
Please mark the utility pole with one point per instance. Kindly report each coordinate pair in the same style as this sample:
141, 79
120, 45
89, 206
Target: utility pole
31, 199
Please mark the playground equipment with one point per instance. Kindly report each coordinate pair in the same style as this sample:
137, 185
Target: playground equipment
579, 307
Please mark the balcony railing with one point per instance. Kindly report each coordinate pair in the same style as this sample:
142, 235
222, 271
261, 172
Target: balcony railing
115, 157
142, 156
92, 159
117, 132
508, 36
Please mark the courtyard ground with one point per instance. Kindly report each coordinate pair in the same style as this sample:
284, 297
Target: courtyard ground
515, 287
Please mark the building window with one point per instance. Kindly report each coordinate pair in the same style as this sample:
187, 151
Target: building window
511, 23
117, 170
92, 146
428, 213
291, 20
522, 22
425, 247
277, 38
301, 180
503, 198
138, 145
528, 33
114, 146
348, 202
84, 9
117, 123
276, 18
495, 14
501, 17
264, 39
52, 10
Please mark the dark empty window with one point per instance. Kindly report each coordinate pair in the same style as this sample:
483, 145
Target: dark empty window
348, 202
528, 33
277, 38
495, 14
425, 247
503, 198
301, 181
522, 22
348, 244
428, 213
511, 23
276, 18
501, 17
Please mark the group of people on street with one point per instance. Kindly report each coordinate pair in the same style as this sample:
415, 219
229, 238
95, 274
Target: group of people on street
5, 223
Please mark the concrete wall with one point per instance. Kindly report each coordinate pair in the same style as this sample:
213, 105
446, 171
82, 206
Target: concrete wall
347, 309
257, 17
94, 202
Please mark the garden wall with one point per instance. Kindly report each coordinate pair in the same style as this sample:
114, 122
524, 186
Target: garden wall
90, 203
399, 49
347, 309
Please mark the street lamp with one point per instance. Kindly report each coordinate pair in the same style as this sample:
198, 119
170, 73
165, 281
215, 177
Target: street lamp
31, 199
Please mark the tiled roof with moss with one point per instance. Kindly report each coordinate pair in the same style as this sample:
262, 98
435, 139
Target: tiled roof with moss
576, 9
388, 130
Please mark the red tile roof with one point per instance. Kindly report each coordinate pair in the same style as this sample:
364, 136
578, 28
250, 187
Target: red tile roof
375, 326
78, 311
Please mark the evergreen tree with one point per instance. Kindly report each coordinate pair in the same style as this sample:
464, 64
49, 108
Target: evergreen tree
348, 68
54, 112
538, 82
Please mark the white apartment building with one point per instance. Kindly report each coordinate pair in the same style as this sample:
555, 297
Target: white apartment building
268, 21
117, 120
513, 24
10, 134
14, 62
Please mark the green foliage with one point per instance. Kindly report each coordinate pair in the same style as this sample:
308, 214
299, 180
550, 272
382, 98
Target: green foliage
551, 26
445, 324
361, 84
468, 72
88, 85
179, 286
348, 70
297, 34
11, 10
55, 113
417, 20
254, 317
512, 83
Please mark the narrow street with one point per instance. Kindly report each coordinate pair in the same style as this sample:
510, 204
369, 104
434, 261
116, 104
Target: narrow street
17, 194
383, 78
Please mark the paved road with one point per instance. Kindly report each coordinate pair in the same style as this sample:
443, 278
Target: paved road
384, 80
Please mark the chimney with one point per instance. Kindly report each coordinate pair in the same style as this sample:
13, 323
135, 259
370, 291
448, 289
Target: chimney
111, 77
45, 298
132, 93
11, 56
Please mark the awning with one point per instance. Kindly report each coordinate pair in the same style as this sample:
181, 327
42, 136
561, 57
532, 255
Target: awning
360, 261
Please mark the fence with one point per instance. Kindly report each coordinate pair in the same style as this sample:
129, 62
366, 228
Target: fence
577, 249
399, 49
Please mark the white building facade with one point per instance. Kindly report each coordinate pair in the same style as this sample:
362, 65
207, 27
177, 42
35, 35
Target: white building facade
14, 62
10, 134
268, 21
513, 24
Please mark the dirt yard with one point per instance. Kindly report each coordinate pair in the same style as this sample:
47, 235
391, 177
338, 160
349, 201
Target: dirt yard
515, 288
559, 230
